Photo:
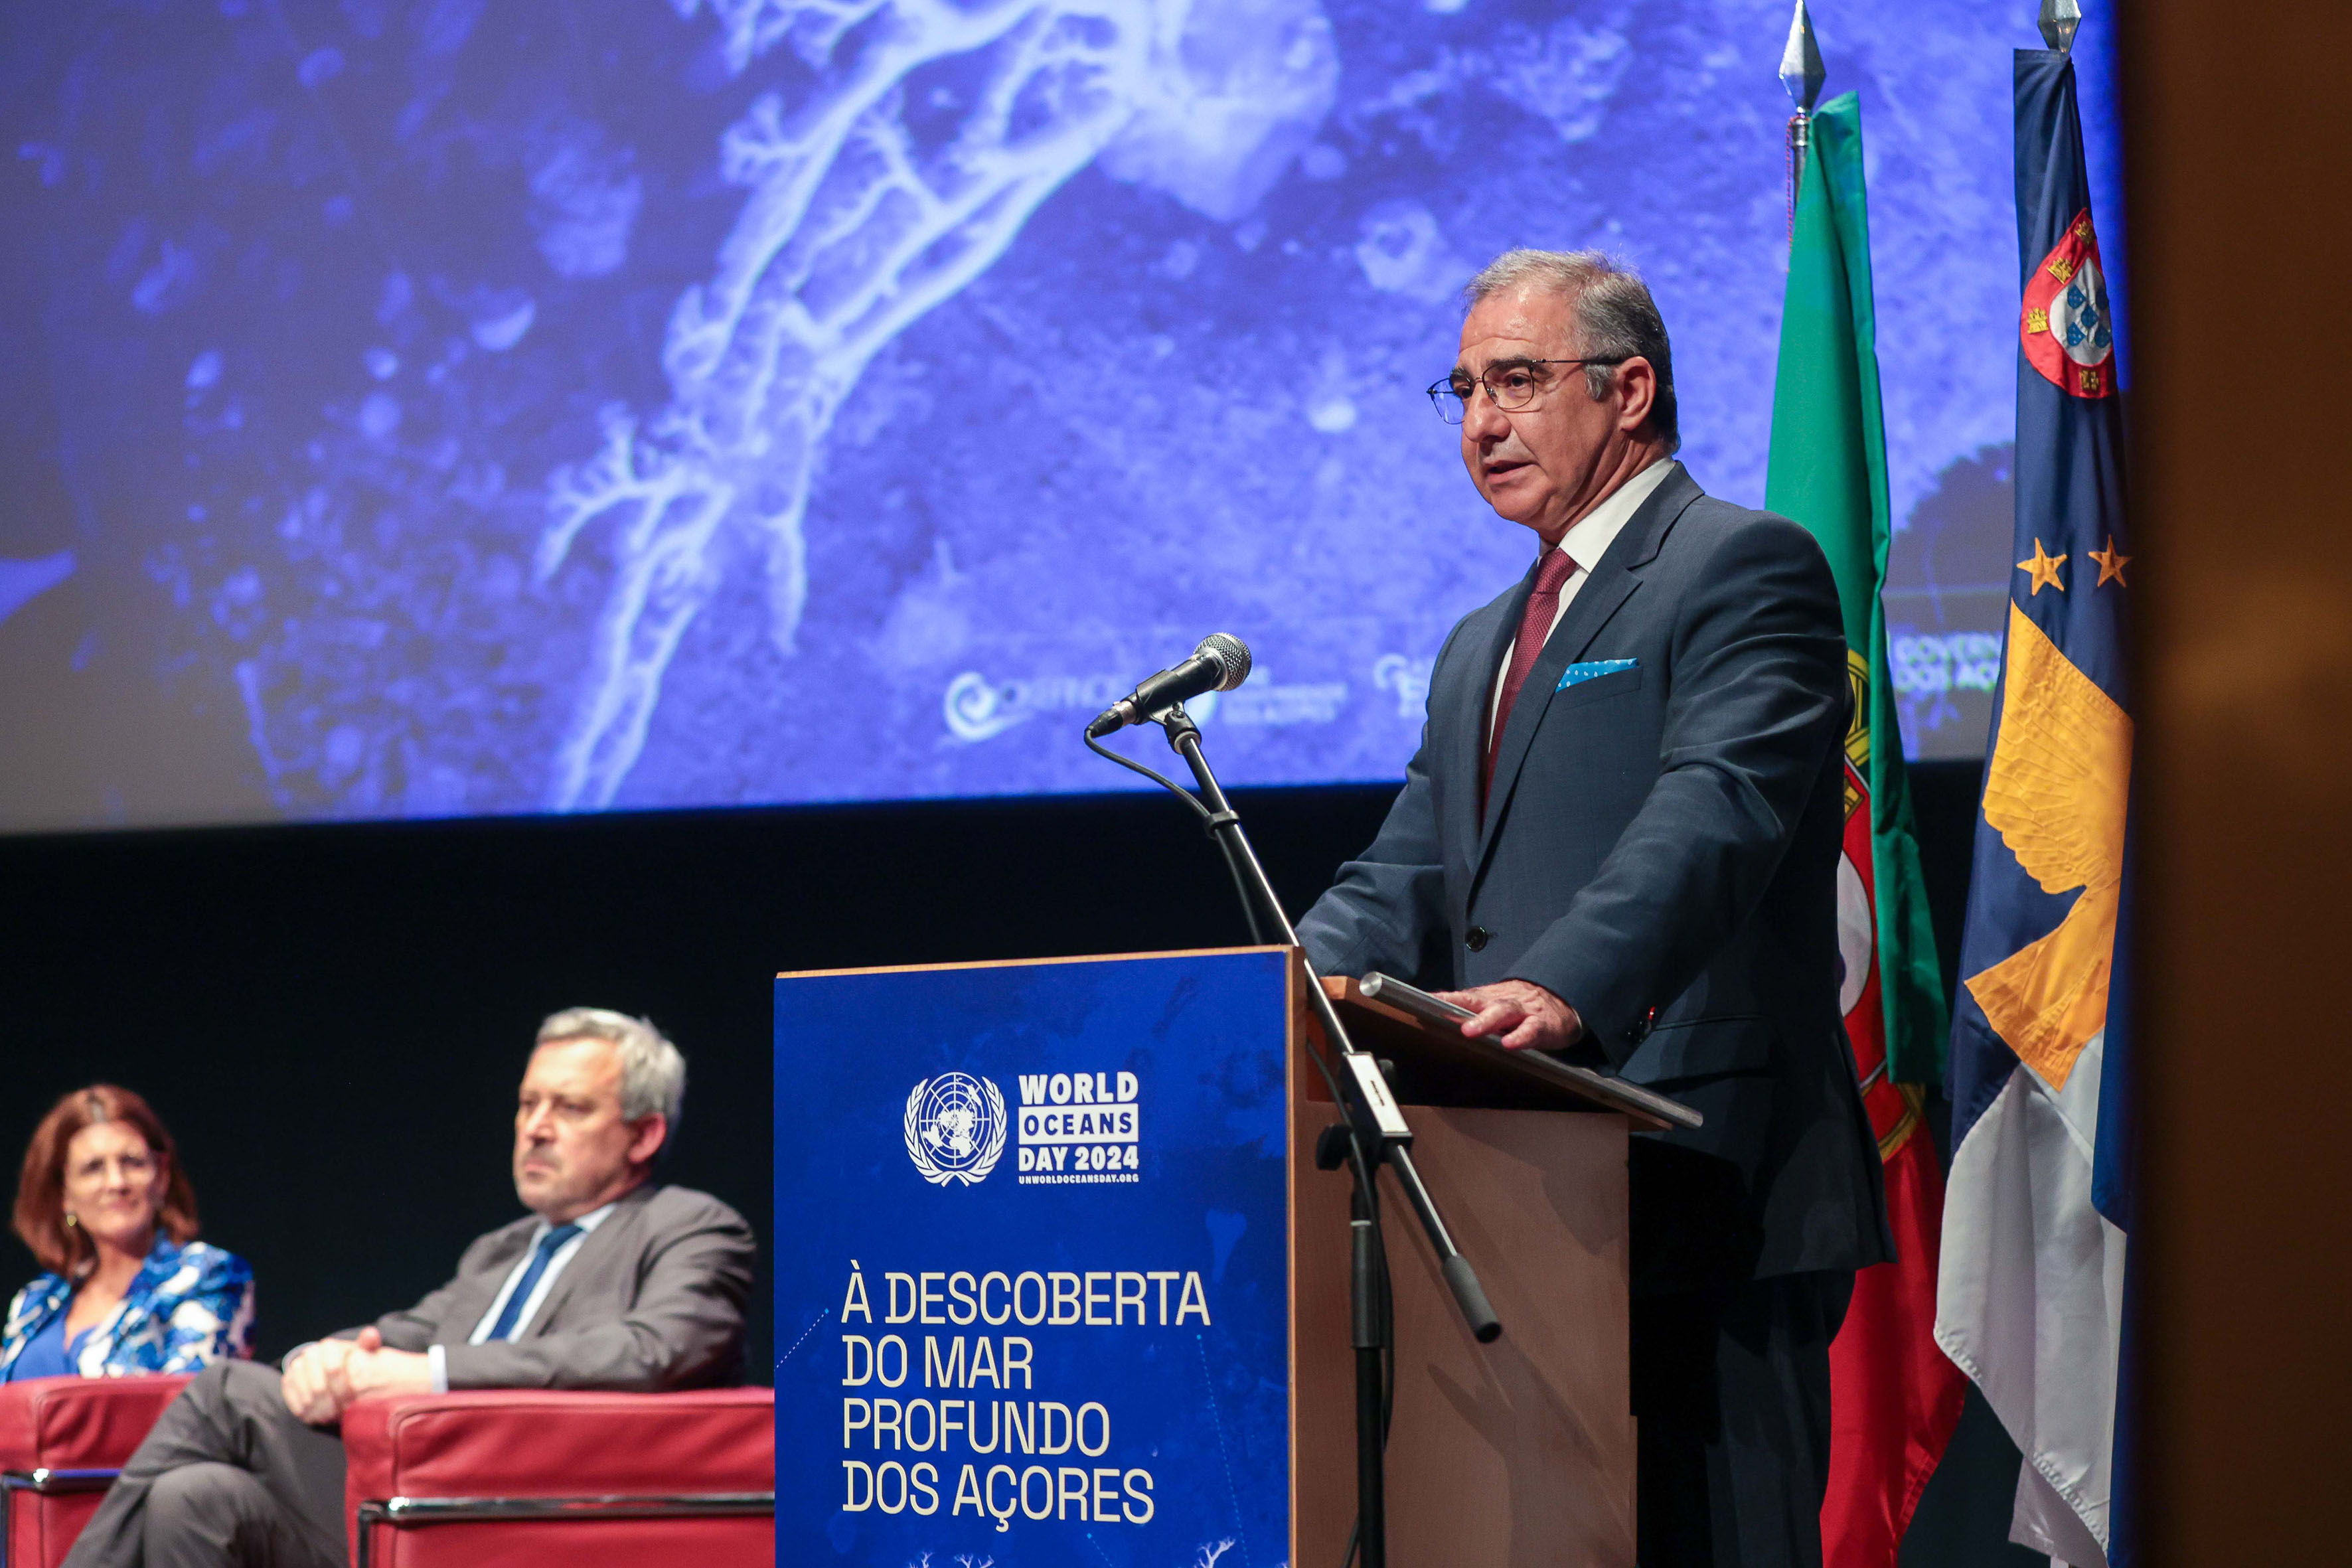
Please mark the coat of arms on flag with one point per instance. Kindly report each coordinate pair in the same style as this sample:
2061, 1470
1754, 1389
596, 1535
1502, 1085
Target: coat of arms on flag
2065, 329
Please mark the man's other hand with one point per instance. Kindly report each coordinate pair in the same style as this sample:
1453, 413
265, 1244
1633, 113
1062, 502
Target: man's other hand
330, 1376
1526, 1016
371, 1369
306, 1384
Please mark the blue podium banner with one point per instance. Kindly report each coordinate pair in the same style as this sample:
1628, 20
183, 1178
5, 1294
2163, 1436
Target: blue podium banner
1031, 1285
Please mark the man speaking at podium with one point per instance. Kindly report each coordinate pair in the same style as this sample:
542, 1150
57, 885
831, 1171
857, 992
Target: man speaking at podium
1619, 842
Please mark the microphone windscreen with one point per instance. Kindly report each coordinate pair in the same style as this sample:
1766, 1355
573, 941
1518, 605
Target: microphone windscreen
1233, 656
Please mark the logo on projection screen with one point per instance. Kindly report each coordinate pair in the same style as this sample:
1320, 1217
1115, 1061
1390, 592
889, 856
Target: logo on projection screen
955, 1127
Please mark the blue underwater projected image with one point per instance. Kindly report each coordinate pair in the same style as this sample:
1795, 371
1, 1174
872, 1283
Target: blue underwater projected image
425, 407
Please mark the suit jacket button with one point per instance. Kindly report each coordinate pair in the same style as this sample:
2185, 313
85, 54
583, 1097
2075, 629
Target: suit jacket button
1475, 939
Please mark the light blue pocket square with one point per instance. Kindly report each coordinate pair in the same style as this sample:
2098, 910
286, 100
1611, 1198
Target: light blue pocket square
1579, 673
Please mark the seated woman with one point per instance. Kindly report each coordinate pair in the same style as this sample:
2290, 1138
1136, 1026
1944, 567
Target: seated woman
108, 1212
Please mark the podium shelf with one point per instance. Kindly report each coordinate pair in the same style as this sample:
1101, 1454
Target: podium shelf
1437, 1064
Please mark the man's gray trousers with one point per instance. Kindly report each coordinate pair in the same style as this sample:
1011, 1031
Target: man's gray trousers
227, 1476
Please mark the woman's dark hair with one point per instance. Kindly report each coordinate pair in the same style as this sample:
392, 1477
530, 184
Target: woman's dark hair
40, 1216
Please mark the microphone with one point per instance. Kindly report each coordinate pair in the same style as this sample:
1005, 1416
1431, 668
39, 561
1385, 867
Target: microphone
1221, 663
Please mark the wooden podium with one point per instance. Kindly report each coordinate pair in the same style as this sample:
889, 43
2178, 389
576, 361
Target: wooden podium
1519, 1453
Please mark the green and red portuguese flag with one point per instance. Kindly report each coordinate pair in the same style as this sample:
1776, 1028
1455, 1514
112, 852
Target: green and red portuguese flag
1894, 1396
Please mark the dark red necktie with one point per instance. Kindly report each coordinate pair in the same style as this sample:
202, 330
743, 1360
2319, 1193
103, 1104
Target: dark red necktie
1535, 626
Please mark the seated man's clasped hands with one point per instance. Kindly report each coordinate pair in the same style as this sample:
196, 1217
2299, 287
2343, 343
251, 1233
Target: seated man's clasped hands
614, 1282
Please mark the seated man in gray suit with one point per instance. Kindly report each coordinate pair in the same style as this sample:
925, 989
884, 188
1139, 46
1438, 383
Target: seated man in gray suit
615, 1283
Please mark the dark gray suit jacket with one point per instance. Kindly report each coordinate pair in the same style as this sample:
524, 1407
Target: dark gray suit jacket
652, 1299
1660, 851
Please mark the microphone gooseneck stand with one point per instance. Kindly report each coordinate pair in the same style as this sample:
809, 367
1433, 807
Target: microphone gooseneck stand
1374, 1133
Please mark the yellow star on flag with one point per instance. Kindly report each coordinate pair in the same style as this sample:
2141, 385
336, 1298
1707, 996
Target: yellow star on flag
2045, 567
2111, 565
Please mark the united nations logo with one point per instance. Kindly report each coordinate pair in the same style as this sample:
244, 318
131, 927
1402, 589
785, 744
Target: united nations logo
955, 1127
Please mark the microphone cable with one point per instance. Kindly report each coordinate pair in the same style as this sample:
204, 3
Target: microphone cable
1208, 824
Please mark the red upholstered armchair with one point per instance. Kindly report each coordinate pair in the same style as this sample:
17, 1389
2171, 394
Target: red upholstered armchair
61, 1441
519, 1477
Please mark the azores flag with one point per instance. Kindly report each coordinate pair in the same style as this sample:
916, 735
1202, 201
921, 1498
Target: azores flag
1894, 1397
2031, 1301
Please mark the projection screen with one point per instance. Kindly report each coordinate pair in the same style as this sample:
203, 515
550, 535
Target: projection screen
423, 409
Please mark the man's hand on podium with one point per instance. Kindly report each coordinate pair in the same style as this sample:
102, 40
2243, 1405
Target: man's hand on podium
1526, 1016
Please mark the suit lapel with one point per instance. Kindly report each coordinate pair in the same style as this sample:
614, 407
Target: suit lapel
474, 1292
596, 1249
1614, 578
467, 1305
1469, 700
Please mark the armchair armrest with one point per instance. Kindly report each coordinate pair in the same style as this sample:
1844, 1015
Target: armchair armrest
79, 1423
552, 1473
62, 1440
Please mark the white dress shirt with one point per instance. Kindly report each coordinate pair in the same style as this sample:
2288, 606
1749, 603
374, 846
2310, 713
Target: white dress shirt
532, 1302
1586, 542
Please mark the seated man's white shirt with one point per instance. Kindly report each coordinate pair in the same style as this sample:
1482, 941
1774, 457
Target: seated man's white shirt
1586, 543
588, 1221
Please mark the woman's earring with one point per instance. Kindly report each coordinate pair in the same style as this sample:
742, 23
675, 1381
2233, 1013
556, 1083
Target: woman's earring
70, 1220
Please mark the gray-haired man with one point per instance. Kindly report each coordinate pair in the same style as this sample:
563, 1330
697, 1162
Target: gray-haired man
1620, 842
614, 1283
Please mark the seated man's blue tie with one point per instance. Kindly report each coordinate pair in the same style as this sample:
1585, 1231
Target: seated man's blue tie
547, 1247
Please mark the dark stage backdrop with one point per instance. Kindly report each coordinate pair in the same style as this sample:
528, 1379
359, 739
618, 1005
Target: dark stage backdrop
333, 1019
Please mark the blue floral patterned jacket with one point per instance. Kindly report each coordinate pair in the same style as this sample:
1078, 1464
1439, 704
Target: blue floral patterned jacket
189, 1307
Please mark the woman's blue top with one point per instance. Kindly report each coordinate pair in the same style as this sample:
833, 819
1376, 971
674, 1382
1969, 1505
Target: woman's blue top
47, 1354
189, 1307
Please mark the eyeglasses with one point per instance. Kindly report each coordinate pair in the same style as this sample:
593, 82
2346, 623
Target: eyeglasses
1511, 386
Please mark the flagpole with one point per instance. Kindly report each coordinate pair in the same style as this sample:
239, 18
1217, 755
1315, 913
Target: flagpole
1801, 74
